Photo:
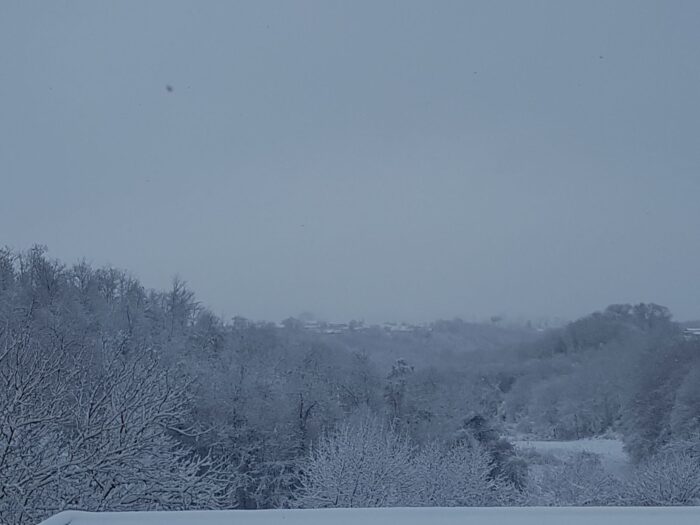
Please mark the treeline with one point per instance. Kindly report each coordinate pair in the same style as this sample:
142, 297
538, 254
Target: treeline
628, 370
113, 396
116, 397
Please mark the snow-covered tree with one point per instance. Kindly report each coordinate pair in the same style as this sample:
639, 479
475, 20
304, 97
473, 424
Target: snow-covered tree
478, 431
96, 431
578, 481
671, 477
460, 476
361, 464
34, 383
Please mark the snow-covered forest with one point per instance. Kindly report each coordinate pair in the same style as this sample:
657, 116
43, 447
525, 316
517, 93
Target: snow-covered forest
117, 397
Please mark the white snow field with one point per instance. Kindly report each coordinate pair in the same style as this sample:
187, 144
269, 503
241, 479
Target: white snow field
611, 453
396, 516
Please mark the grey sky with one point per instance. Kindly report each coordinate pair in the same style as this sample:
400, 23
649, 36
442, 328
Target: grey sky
377, 160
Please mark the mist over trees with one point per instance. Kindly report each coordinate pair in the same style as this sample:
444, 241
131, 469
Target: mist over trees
116, 397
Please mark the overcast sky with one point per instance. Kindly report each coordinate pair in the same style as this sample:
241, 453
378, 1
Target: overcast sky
378, 160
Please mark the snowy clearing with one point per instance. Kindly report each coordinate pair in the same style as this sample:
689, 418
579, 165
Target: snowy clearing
609, 448
404, 516
611, 453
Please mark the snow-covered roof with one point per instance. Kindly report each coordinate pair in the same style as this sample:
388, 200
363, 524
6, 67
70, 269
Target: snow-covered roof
396, 516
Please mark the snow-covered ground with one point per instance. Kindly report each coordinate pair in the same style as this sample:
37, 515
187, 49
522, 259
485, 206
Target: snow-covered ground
398, 516
611, 453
